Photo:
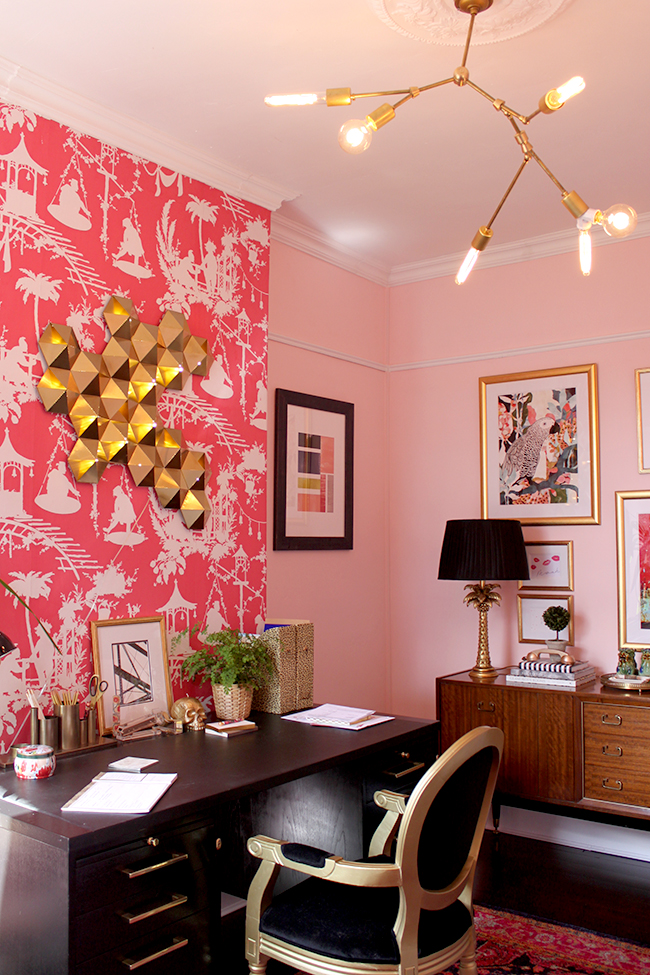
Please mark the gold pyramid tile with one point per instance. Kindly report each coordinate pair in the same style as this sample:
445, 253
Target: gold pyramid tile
144, 341
52, 389
172, 331
196, 356
170, 369
58, 345
115, 358
120, 315
194, 508
84, 463
167, 487
169, 444
195, 470
113, 397
141, 460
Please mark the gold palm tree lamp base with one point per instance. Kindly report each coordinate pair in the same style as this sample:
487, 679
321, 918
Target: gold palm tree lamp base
482, 596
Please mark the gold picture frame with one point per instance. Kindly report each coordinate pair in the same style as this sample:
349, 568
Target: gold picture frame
550, 566
532, 628
632, 549
131, 655
552, 476
642, 384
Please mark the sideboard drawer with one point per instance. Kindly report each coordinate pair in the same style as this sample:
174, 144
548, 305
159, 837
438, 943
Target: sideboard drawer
610, 785
627, 721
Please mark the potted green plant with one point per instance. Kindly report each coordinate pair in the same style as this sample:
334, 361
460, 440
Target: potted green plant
234, 663
557, 618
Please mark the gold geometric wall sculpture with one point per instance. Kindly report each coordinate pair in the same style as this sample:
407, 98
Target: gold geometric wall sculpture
112, 400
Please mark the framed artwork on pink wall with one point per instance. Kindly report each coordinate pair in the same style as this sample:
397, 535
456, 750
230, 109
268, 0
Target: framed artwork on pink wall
633, 551
314, 455
539, 446
550, 566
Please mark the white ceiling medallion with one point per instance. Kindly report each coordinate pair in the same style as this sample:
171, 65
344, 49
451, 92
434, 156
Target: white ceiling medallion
438, 21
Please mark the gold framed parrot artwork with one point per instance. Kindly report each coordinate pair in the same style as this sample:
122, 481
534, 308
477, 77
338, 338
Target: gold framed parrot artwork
539, 446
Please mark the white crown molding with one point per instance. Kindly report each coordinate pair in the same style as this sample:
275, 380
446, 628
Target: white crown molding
30, 91
316, 244
312, 242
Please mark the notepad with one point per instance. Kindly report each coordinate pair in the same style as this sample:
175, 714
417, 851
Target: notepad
123, 793
339, 716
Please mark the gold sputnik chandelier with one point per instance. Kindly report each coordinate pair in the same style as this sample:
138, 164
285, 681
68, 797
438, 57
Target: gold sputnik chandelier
356, 135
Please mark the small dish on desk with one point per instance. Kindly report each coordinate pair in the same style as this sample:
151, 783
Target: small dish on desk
626, 682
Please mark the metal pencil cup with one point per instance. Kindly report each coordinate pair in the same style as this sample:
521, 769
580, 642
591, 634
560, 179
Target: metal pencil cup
50, 731
70, 728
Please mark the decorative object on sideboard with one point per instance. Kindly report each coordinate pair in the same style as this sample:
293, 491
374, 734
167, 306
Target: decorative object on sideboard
234, 663
557, 619
314, 482
112, 400
291, 686
356, 135
539, 446
485, 550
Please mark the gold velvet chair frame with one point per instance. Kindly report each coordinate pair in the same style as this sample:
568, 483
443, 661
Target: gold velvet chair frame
401, 827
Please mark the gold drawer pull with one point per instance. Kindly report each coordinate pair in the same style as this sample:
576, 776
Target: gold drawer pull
617, 719
617, 787
177, 943
130, 918
141, 871
491, 706
616, 752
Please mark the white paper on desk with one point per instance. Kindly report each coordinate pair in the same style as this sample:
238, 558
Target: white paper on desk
338, 716
113, 793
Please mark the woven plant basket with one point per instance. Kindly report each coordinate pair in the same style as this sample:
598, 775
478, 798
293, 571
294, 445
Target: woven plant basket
234, 705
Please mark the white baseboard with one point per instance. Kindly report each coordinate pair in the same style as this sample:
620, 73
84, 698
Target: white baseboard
583, 835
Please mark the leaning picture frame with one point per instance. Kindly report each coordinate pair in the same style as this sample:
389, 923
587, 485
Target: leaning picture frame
314, 454
131, 656
530, 609
550, 566
633, 563
539, 446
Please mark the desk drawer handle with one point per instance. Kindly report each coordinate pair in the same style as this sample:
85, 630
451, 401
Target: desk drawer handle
177, 943
617, 719
413, 767
491, 706
616, 752
130, 918
141, 871
617, 787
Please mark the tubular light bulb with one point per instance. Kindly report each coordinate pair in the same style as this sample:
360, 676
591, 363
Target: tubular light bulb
313, 98
585, 252
619, 220
356, 135
481, 240
572, 87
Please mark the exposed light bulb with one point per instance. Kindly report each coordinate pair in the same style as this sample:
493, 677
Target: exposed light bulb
480, 242
312, 98
585, 252
618, 220
356, 135
556, 97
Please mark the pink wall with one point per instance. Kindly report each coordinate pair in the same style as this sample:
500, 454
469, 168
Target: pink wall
434, 445
418, 437
345, 593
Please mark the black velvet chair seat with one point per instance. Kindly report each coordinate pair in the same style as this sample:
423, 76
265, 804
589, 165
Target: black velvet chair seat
355, 923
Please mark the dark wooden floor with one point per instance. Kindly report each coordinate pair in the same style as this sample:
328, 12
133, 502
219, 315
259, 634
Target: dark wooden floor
603, 893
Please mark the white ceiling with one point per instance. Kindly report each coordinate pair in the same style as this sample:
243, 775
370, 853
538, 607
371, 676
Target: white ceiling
190, 76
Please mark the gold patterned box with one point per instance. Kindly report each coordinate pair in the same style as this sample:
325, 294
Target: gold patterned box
291, 688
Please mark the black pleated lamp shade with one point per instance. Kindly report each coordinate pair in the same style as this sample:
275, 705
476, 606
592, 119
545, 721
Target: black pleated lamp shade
6, 645
483, 549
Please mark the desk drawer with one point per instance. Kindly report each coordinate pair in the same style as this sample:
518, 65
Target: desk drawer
615, 753
182, 947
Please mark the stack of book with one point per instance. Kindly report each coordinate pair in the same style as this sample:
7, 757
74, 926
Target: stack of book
548, 673
230, 728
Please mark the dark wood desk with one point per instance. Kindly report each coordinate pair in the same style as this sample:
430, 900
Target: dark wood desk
76, 889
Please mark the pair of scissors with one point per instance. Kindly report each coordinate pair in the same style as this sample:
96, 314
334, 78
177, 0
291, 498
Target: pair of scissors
96, 689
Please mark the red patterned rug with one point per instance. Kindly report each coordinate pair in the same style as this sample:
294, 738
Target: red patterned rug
512, 945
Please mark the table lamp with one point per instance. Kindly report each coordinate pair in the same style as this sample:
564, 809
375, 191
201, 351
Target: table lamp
484, 549
6, 645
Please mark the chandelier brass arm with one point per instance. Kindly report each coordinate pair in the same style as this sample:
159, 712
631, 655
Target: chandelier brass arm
356, 135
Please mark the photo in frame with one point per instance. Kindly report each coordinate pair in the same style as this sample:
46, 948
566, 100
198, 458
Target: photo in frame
314, 453
539, 446
131, 655
550, 566
642, 382
633, 561
532, 628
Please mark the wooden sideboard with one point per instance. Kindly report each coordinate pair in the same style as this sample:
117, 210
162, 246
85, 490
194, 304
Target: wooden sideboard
585, 749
